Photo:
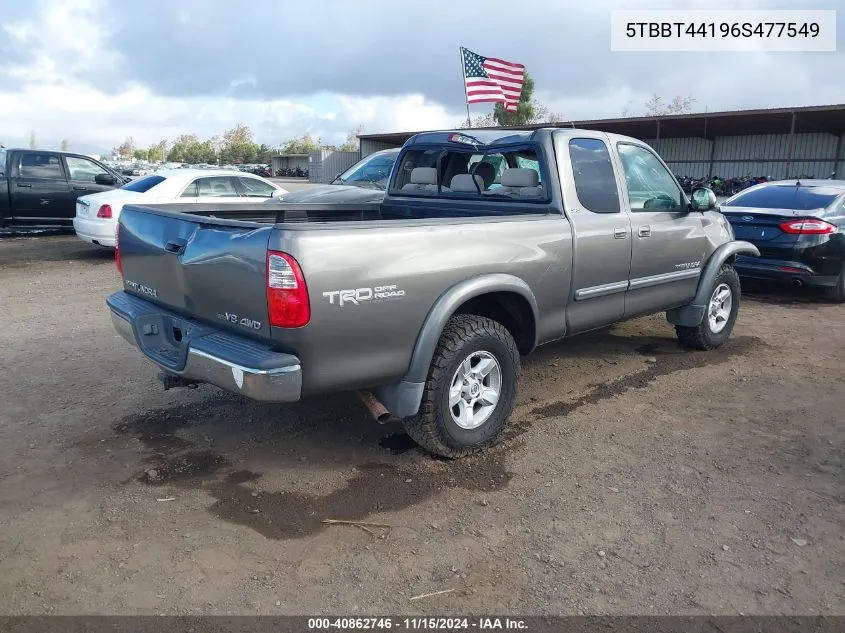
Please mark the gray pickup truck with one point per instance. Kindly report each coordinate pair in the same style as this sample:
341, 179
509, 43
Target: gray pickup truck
486, 245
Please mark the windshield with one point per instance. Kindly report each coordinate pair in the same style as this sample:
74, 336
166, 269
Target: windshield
785, 197
142, 185
373, 171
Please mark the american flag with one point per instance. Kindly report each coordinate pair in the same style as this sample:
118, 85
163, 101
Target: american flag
492, 80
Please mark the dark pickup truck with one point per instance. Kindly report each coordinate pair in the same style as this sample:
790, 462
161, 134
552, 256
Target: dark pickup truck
39, 188
484, 247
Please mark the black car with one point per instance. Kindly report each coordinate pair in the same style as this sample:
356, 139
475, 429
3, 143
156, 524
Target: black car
798, 226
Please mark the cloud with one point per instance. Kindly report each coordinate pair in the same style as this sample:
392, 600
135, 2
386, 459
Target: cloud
96, 71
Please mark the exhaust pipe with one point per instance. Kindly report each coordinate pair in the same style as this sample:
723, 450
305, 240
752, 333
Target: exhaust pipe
797, 282
375, 407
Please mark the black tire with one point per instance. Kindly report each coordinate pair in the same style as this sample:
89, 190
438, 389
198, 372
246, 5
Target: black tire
837, 292
703, 336
434, 428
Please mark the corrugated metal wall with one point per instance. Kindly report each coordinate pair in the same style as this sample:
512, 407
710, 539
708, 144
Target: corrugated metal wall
325, 165
370, 147
288, 162
736, 156
754, 155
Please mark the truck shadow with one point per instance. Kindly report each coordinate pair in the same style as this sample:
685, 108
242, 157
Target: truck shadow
266, 465
275, 468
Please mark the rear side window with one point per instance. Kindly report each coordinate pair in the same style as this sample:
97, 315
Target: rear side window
190, 191
785, 197
254, 188
142, 185
41, 165
595, 182
217, 187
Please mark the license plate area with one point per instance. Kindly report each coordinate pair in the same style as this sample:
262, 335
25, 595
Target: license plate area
164, 339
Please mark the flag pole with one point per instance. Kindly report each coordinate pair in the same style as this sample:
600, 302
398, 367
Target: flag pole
464, 73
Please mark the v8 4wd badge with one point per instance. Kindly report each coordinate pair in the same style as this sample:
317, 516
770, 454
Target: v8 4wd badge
244, 322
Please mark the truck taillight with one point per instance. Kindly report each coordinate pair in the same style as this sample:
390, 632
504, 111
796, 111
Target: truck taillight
287, 295
809, 226
104, 212
117, 249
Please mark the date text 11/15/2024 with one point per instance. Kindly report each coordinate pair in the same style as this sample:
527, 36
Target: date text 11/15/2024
415, 623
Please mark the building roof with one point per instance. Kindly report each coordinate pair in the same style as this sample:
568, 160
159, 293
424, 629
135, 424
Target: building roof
827, 118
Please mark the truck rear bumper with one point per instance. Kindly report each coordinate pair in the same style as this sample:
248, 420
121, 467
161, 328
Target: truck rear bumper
216, 357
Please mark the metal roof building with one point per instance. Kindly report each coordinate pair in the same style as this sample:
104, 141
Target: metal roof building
776, 143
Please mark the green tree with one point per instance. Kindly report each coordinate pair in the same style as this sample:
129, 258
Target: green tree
141, 154
352, 143
265, 153
183, 146
127, 148
32, 142
237, 146
656, 106
302, 145
64, 145
528, 111
157, 152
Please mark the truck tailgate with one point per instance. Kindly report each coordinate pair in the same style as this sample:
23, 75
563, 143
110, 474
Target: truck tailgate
211, 270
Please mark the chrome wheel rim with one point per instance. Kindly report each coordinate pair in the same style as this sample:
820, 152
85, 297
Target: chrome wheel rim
475, 389
719, 309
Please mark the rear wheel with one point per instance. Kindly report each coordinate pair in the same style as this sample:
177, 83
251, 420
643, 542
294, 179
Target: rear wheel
470, 390
720, 316
837, 292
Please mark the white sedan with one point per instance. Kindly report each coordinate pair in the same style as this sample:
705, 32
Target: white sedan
97, 214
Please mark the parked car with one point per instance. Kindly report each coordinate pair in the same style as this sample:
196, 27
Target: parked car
798, 227
39, 188
365, 181
424, 301
97, 215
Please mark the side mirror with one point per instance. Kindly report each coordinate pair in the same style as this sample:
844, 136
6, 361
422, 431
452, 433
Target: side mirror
702, 199
105, 179
277, 194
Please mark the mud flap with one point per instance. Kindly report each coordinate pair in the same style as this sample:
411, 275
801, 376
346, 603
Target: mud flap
686, 316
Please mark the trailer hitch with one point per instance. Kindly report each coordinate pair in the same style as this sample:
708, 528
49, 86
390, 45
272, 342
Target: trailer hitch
172, 381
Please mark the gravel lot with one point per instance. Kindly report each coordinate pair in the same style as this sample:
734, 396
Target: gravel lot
636, 478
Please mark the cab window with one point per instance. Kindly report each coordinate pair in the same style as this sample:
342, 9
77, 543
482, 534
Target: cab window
650, 185
592, 171
84, 170
41, 165
512, 174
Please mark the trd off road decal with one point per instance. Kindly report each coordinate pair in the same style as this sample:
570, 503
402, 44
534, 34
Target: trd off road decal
357, 296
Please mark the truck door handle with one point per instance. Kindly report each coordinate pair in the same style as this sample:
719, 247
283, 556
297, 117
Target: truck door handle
175, 246
80, 188
24, 184
620, 234
644, 231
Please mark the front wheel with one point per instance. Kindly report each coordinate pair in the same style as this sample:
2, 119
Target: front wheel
470, 390
720, 315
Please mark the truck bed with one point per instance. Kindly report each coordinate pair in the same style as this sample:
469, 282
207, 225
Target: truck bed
298, 213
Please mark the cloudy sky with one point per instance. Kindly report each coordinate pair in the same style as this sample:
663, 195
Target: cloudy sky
97, 71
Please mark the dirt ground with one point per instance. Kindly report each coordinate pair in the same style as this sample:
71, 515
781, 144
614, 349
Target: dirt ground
635, 478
